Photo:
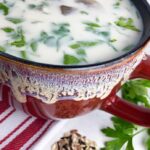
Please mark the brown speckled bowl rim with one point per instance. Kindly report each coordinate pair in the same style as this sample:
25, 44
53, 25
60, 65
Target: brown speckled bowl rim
139, 46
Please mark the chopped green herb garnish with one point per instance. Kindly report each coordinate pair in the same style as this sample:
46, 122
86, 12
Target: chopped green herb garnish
15, 20
84, 12
38, 7
81, 52
17, 34
23, 54
105, 33
19, 43
59, 32
8, 29
117, 4
4, 8
86, 44
113, 40
32, 6
128, 48
75, 46
92, 24
111, 45
61, 29
44, 37
127, 23
19, 38
70, 59
34, 46
2, 49
94, 28
78, 47
48, 39
104, 36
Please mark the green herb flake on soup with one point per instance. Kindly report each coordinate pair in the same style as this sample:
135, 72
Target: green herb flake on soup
68, 32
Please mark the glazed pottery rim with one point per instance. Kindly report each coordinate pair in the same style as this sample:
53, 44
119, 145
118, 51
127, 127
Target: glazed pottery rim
138, 47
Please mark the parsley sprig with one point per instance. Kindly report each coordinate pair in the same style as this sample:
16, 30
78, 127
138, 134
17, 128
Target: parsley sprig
127, 23
123, 132
136, 91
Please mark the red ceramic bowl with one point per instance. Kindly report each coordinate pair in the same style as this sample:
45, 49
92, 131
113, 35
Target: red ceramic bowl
59, 92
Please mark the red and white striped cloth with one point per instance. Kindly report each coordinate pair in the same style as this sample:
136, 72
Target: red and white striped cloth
18, 131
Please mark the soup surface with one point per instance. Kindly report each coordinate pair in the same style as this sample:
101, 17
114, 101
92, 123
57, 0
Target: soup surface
68, 32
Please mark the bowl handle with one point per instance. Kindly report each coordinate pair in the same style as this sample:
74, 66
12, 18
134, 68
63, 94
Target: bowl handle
126, 110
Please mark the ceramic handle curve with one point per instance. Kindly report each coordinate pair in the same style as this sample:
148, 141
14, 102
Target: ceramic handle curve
126, 110
143, 70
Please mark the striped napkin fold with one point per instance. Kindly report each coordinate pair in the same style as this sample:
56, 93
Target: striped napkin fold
18, 130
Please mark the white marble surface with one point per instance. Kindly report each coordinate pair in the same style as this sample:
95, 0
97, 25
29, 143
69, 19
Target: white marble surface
88, 125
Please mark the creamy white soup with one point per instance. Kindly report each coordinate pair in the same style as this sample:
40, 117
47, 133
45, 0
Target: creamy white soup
68, 32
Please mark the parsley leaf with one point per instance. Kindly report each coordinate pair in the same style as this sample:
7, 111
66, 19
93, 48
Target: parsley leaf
19, 38
86, 44
147, 141
38, 7
92, 24
79, 47
19, 43
70, 59
4, 8
103, 35
112, 40
34, 46
128, 48
135, 91
61, 30
117, 4
15, 20
130, 145
126, 23
23, 54
8, 29
81, 52
44, 37
84, 12
2, 49
121, 133
32, 6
